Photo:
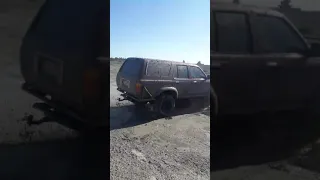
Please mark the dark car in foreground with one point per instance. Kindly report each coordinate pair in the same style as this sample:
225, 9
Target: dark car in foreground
59, 61
260, 62
159, 83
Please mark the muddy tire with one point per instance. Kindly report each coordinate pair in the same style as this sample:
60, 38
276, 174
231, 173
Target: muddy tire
165, 105
214, 107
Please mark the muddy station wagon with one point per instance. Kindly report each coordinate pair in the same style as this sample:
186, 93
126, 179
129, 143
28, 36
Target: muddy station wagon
260, 61
159, 83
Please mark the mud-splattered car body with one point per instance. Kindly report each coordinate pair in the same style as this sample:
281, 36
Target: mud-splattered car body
144, 80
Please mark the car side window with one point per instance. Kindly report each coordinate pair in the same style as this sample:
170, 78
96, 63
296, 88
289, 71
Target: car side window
158, 68
182, 72
196, 72
153, 69
232, 33
165, 69
275, 35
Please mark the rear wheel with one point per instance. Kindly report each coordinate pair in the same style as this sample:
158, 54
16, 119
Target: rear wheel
214, 106
166, 104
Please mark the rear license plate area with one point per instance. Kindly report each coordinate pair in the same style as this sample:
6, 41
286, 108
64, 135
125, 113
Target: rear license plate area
49, 69
125, 82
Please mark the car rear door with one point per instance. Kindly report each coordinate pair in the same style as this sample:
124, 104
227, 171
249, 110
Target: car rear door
281, 50
234, 70
129, 75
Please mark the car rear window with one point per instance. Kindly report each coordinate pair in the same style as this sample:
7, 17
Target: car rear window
158, 68
132, 66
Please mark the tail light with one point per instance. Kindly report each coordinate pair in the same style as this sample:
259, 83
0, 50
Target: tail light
91, 85
138, 88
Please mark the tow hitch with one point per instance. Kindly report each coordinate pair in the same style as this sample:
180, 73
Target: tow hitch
123, 99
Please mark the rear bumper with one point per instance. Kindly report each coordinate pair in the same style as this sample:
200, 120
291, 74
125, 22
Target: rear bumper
130, 97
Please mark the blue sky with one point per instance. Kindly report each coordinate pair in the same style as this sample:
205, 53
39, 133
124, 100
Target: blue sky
162, 29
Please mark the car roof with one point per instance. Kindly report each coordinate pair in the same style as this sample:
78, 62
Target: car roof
174, 62
222, 6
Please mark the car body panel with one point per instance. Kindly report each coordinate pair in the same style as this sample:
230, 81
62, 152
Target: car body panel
235, 80
58, 48
254, 82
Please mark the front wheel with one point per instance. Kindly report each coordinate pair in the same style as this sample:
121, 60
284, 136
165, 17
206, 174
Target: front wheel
214, 106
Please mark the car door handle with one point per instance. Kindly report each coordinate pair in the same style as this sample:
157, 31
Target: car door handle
177, 82
215, 65
194, 81
272, 64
